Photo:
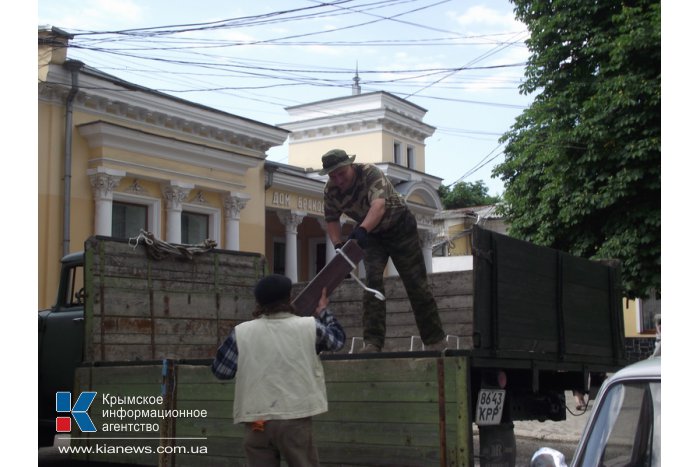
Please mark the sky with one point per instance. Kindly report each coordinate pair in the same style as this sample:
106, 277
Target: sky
460, 60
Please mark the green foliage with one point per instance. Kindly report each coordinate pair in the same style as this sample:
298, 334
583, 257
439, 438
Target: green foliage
465, 194
582, 171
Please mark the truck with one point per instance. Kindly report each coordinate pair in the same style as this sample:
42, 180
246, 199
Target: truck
134, 333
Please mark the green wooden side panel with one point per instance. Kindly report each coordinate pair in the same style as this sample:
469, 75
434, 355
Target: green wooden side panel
138, 308
112, 443
198, 389
381, 412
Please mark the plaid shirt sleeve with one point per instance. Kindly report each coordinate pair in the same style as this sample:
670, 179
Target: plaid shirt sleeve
329, 336
329, 333
225, 364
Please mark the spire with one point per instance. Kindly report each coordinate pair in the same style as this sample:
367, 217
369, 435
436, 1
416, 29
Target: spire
356, 87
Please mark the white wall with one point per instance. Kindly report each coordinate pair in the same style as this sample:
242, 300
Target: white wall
452, 263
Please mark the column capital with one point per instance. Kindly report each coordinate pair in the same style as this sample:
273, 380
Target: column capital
104, 181
291, 219
234, 203
175, 193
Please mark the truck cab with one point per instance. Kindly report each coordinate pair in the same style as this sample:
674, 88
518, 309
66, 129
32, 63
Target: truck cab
61, 336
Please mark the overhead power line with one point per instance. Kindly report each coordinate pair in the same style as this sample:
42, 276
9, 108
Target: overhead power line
189, 59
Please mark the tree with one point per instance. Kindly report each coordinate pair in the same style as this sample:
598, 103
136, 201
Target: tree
582, 169
464, 194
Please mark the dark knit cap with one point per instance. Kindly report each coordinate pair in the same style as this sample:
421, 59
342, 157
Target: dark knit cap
273, 288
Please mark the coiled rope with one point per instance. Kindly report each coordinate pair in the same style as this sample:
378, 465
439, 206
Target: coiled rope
158, 249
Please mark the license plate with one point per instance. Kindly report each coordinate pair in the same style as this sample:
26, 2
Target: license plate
489, 407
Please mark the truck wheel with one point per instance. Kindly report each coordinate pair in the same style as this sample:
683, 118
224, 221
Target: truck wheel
497, 445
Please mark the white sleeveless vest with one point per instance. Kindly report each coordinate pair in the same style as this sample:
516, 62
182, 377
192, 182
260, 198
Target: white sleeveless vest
279, 375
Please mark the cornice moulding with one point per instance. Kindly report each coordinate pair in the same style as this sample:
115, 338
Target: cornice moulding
302, 185
354, 103
357, 122
100, 95
102, 134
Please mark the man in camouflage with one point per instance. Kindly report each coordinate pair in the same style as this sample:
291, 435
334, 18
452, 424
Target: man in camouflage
385, 228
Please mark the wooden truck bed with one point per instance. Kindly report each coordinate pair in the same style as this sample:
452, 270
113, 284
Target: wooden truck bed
153, 327
138, 308
382, 411
521, 301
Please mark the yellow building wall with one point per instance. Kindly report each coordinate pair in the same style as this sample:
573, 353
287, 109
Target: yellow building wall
388, 141
150, 171
631, 313
50, 200
461, 245
308, 154
252, 222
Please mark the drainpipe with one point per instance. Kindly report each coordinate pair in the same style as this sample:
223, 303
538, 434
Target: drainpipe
74, 66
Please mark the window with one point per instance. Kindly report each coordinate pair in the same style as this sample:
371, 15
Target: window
152, 206
278, 257
74, 288
317, 255
411, 157
199, 222
128, 219
194, 228
648, 308
627, 429
320, 257
397, 153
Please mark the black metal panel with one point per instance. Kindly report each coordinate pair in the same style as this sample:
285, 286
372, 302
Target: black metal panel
541, 302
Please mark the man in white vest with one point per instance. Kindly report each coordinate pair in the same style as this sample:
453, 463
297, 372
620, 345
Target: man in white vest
280, 383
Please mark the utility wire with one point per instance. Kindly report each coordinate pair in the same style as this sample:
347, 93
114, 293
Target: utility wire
164, 39
485, 160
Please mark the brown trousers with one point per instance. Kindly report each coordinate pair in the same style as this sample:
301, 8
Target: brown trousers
290, 439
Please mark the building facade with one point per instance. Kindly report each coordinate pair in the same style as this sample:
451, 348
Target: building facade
116, 158
378, 128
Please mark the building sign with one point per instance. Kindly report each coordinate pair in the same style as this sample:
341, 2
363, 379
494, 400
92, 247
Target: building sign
280, 199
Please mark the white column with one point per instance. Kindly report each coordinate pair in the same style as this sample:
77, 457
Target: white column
291, 220
103, 182
330, 248
175, 193
234, 203
427, 238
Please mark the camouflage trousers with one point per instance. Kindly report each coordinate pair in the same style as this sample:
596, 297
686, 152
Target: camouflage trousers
402, 245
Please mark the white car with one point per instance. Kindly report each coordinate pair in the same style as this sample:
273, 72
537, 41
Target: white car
625, 426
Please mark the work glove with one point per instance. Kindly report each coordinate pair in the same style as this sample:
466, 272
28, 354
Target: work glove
359, 234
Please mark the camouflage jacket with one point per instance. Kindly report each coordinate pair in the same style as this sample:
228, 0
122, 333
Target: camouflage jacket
370, 184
